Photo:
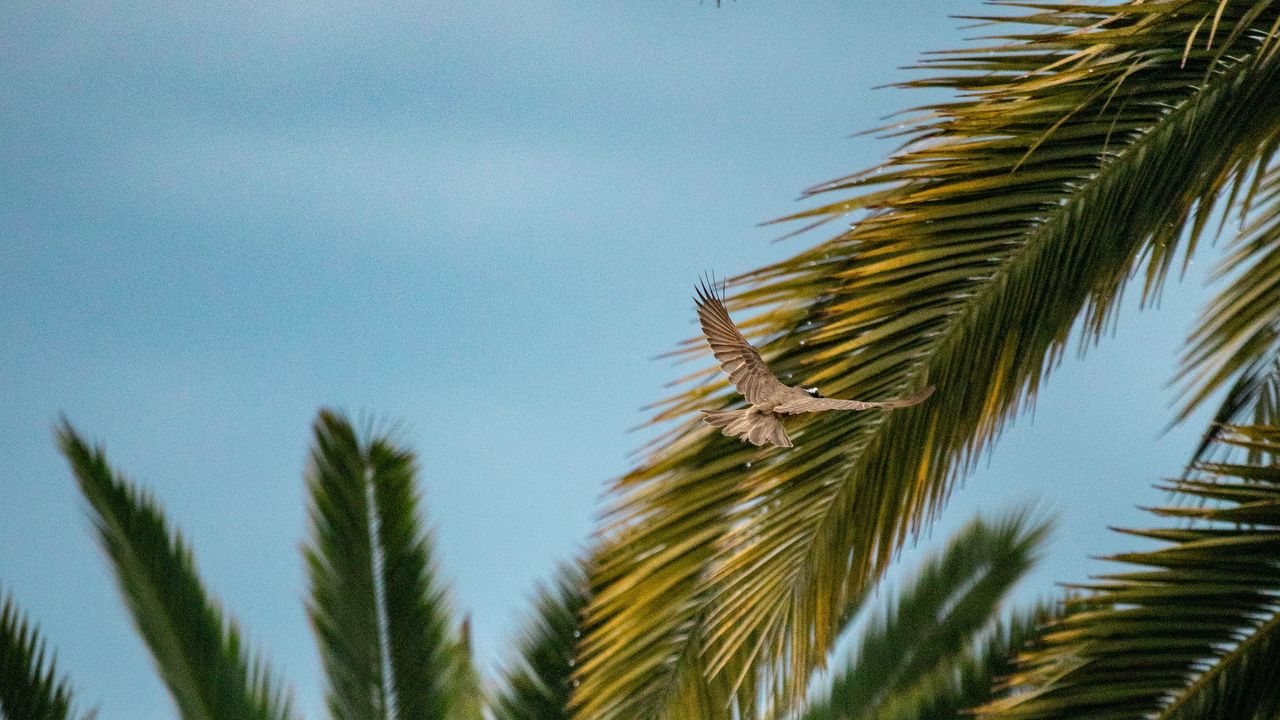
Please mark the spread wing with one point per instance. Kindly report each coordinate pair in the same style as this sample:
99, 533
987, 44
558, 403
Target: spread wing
818, 404
744, 365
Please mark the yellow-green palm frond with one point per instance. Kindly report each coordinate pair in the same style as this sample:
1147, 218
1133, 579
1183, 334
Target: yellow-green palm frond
1079, 147
1237, 340
1192, 630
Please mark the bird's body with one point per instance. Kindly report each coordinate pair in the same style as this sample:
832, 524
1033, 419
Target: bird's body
769, 397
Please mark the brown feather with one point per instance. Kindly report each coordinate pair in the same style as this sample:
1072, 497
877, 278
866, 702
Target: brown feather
750, 424
747, 370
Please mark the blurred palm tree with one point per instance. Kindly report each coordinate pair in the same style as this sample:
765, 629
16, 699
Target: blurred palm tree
936, 647
1085, 147
390, 644
391, 649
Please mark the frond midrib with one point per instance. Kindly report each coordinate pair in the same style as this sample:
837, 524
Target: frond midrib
377, 562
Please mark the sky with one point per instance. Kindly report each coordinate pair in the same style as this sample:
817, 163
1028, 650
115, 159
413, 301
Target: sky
478, 222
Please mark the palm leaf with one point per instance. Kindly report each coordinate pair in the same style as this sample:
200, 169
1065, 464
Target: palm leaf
1192, 630
379, 613
1238, 338
921, 636
1075, 154
198, 650
30, 687
958, 683
467, 697
537, 686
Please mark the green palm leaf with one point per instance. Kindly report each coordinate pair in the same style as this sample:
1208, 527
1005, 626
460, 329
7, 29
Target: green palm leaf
379, 613
926, 634
467, 698
199, 651
538, 685
1238, 337
958, 683
1076, 153
30, 687
1192, 630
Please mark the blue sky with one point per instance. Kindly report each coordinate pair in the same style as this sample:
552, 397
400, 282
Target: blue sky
480, 220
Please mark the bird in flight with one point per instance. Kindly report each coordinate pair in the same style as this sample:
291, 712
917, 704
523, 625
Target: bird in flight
770, 399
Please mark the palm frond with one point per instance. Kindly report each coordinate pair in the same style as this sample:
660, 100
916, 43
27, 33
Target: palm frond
467, 698
1237, 340
379, 613
1074, 155
198, 650
1192, 630
30, 687
961, 682
537, 686
920, 637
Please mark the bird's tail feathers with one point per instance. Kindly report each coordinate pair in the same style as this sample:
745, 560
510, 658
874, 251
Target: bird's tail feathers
749, 424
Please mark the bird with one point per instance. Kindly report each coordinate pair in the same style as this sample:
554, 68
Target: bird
768, 396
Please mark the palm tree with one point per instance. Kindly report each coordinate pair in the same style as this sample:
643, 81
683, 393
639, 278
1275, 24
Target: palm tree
386, 637
390, 645
1087, 145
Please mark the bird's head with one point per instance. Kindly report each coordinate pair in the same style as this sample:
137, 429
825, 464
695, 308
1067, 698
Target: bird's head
813, 392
